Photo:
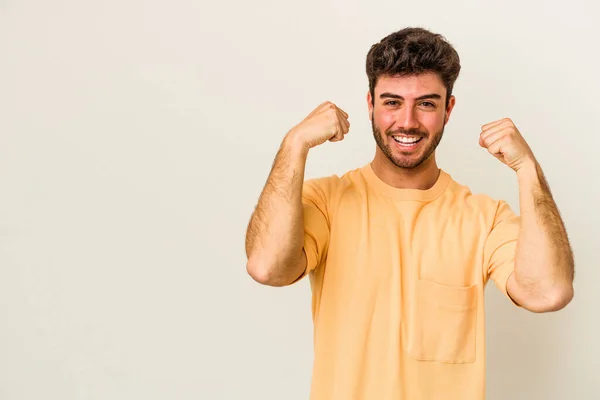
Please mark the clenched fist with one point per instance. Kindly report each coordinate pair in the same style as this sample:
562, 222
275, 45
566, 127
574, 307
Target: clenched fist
326, 122
504, 141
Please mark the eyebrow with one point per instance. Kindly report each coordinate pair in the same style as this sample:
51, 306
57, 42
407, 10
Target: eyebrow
388, 95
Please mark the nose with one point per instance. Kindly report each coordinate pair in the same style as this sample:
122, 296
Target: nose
407, 119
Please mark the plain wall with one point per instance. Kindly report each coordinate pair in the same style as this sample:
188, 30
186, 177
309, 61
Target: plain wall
136, 136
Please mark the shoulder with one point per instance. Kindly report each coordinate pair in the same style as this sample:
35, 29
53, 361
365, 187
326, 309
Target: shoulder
480, 203
331, 185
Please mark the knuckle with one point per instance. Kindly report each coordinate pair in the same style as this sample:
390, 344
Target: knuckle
324, 105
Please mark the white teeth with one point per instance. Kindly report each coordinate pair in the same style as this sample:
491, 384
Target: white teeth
405, 140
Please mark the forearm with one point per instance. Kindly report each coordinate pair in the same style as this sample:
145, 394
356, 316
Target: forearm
544, 265
275, 234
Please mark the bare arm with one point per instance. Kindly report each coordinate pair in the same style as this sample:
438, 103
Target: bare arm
544, 267
275, 235
544, 264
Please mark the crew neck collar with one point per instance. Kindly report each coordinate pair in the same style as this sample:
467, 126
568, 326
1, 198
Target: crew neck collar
406, 194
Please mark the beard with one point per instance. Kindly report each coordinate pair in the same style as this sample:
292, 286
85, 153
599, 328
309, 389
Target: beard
412, 161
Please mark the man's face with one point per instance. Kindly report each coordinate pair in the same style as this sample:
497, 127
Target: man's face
408, 115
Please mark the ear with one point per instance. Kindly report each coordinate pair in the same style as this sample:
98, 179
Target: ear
370, 105
449, 109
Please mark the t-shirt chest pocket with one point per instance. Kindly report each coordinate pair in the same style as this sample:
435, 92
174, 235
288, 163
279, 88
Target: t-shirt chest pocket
444, 323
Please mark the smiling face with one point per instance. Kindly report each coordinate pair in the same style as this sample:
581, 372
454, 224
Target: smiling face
408, 115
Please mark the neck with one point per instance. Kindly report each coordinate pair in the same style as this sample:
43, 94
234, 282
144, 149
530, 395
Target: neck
422, 177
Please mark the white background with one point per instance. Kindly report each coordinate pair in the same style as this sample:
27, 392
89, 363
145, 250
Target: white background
135, 138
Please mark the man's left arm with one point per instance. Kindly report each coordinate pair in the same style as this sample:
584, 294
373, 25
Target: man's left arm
542, 280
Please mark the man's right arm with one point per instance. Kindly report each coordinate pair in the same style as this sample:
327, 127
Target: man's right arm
275, 235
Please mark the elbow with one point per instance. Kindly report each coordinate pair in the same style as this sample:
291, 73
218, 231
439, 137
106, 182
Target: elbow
561, 298
262, 273
555, 300
258, 272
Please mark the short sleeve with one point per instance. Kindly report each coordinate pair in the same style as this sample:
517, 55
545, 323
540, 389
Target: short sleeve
501, 246
316, 194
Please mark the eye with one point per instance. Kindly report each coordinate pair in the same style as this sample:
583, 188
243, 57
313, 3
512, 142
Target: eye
428, 104
392, 103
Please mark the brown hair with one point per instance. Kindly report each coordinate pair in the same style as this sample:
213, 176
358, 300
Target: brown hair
413, 51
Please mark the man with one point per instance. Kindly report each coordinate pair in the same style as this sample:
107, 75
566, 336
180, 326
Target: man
397, 252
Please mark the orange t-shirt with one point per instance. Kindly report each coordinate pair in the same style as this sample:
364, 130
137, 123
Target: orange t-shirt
397, 278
